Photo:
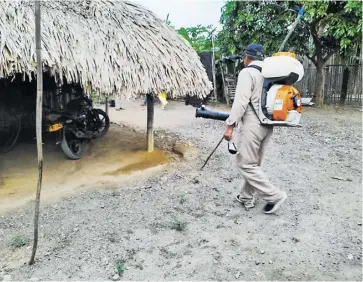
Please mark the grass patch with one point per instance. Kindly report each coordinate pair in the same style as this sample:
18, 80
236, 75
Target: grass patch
18, 241
120, 268
160, 131
182, 199
179, 225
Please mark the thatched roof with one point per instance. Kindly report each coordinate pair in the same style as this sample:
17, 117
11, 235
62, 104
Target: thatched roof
110, 46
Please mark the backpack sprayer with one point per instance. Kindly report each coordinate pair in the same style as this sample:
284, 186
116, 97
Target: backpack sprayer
280, 102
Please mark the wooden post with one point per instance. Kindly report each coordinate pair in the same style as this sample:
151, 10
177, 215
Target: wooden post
39, 105
106, 105
214, 71
225, 89
150, 122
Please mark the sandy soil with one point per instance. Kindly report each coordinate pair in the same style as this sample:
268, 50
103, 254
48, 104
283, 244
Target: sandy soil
107, 161
183, 224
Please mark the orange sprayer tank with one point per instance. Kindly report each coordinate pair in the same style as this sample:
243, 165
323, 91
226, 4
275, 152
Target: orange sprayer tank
287, 101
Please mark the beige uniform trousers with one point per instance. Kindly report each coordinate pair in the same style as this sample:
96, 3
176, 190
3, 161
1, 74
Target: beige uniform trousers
252, 143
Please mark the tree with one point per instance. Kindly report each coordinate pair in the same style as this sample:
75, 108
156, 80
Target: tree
327, 28
199, 37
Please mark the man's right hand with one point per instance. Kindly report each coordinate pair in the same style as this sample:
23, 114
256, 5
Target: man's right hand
228, 133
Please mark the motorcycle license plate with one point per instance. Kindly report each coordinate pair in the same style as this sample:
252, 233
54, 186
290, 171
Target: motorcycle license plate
55, 127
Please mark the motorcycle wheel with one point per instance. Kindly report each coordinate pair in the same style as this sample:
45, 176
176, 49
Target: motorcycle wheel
72, 146
104, 122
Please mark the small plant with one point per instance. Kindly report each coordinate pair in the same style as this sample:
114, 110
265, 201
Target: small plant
120, 268
182, 199
95, 96
18, 241
179, 225
160, 131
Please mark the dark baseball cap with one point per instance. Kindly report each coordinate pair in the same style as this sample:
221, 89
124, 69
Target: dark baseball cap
255, 51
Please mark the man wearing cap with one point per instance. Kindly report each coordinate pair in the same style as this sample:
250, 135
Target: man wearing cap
253, 137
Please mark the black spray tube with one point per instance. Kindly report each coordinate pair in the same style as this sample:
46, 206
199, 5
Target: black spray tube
208, 114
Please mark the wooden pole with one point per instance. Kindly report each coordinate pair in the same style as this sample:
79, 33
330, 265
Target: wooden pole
299, 16
106, 105
214, 71
225, 89
38, 125
150, 122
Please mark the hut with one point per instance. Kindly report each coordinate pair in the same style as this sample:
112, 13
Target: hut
112, 47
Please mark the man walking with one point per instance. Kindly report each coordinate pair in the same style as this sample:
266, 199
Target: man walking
254, 137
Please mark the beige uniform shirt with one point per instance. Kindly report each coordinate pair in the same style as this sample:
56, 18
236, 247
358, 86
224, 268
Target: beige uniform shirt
249, 87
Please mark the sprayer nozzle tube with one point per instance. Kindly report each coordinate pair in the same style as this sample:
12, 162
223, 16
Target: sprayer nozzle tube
208, 114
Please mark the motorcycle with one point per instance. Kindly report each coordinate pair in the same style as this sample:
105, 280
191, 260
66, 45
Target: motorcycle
76, 125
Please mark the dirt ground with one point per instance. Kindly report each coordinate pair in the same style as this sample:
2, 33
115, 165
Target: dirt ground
179, 223
109, 160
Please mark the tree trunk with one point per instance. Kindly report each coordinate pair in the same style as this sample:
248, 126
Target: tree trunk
150, 122
38, 127
319, 85
343, 95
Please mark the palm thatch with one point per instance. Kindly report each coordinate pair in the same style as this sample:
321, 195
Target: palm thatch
113, 47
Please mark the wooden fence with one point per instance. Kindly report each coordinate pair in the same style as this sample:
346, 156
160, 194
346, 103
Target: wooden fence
334, 86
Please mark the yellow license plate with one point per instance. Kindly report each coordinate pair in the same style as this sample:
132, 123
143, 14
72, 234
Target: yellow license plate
55, 127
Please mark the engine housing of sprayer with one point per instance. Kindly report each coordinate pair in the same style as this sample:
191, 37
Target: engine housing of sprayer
280, 102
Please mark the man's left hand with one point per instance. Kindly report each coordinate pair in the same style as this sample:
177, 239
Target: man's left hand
228, 133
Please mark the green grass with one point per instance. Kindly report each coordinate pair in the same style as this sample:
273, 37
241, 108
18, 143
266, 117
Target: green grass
182, 199
179, 225
120, 268
18, 241
160, 131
